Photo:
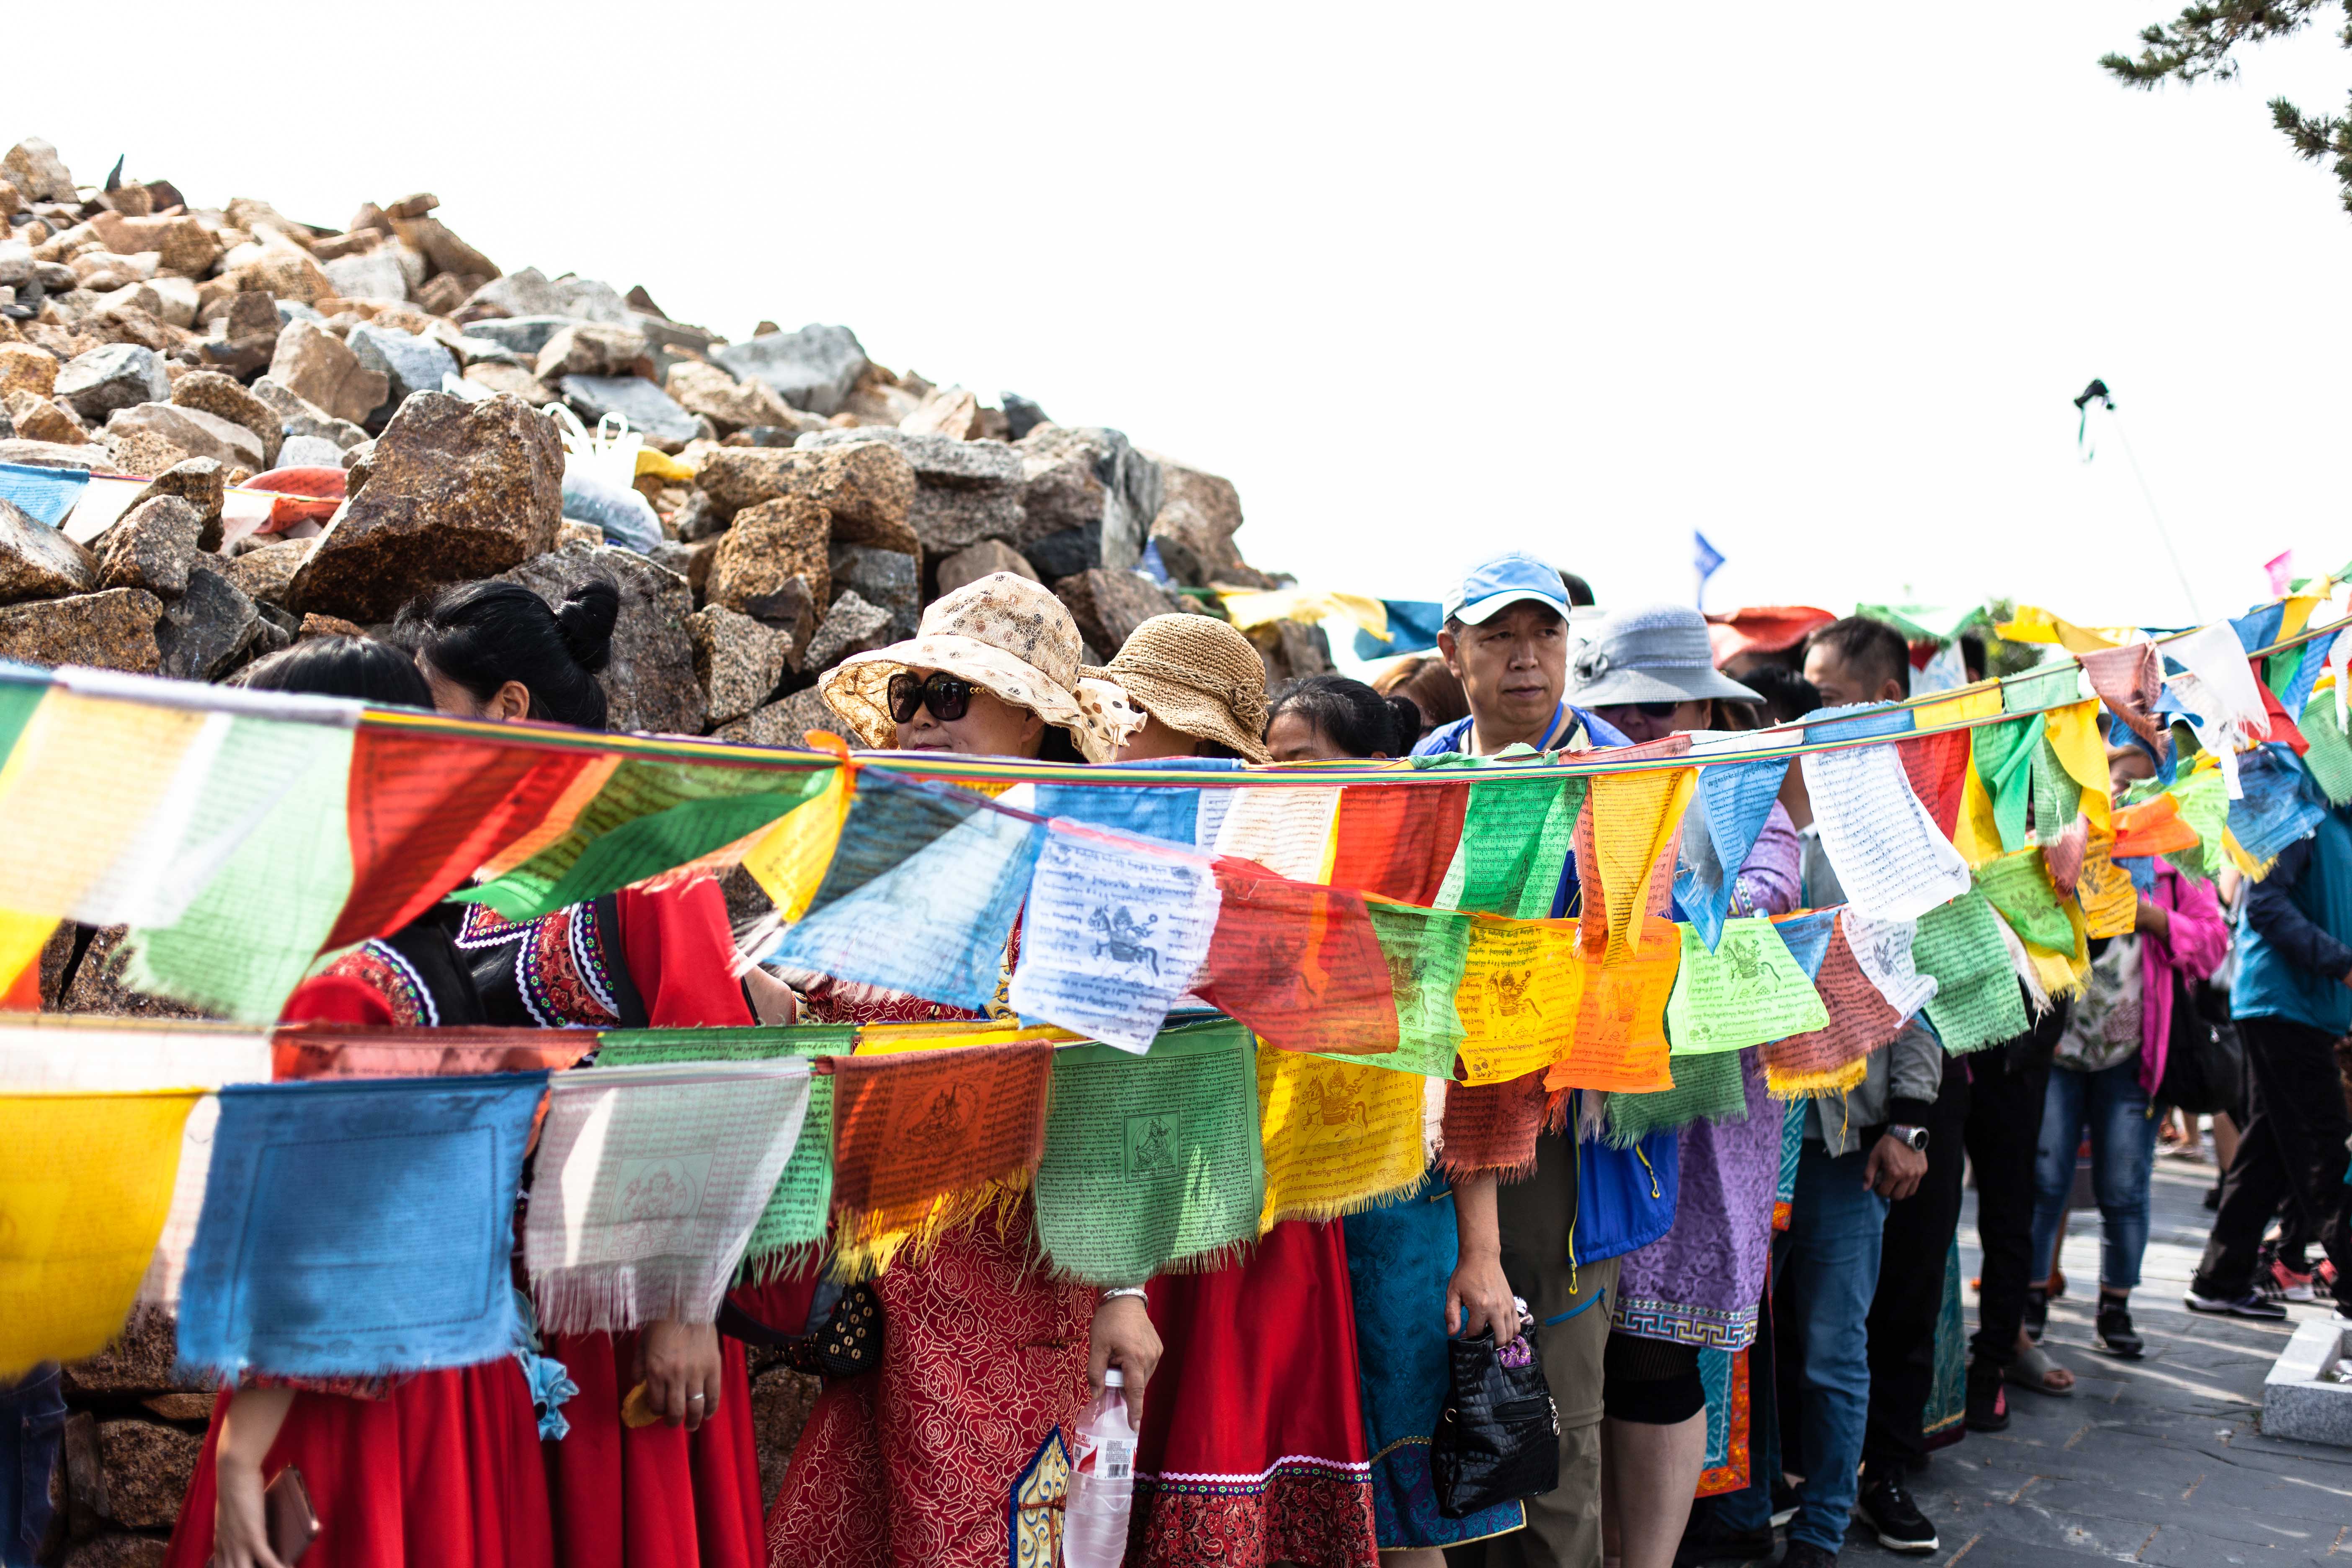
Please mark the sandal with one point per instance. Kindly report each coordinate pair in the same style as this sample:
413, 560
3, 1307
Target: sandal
2031, 1369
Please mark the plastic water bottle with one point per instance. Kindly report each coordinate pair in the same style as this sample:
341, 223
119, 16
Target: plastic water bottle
1102, 1482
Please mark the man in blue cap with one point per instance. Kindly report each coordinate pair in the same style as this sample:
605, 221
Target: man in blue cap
1505, 639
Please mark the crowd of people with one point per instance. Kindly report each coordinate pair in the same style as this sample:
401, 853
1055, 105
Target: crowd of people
1286, 1402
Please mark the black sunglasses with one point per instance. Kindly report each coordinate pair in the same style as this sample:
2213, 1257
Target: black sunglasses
947, 697
1655, 710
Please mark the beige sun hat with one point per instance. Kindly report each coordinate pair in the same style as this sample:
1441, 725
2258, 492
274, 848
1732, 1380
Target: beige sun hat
1002, 633
1197, 674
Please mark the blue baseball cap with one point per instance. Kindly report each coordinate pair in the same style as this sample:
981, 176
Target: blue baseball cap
1495, 585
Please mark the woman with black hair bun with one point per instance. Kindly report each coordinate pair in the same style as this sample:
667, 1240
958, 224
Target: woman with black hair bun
1323, 718
498, 650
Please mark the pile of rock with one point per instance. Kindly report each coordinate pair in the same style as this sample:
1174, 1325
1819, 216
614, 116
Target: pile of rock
809, 502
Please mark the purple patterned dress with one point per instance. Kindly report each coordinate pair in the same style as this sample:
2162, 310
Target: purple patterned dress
1702, 1282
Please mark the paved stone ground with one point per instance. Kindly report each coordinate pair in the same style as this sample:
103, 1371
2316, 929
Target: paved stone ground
2159, 1461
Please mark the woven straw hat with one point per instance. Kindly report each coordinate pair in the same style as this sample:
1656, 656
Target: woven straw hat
1005, 634
1197, 674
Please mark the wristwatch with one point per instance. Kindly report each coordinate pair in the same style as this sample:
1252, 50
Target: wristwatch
1915, 1138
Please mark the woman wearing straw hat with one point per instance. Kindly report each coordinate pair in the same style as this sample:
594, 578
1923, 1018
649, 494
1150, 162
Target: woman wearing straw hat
957, 1450
1253, 1445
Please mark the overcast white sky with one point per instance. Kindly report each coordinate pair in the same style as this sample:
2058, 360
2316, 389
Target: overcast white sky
1424, 282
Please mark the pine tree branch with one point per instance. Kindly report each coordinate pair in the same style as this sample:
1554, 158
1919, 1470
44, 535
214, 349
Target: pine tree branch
2200, 42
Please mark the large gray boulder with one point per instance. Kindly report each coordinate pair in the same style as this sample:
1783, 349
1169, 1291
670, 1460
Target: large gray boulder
650, 683
531, 292
813, 369
118, 375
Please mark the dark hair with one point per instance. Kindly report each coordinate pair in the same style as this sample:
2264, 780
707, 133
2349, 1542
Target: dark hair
1873, 651
1580, 592
1972, 656
358, 668
1788, 696
1350, 714
483, 635
1429, 687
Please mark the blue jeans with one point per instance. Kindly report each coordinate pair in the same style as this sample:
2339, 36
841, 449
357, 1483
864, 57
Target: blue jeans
2123, 1156
1824, 1273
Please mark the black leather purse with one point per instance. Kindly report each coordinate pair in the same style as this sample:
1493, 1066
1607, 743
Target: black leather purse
2204, 1060
1498, 1439
844, 1341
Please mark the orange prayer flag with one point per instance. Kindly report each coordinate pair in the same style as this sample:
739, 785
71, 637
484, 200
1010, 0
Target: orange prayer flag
2154, 826
1620, 1018
916, 1125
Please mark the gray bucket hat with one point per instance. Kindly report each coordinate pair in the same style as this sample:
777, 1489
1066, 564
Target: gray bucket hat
1656, 653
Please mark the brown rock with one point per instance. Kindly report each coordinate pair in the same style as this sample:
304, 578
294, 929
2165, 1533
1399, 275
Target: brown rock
975, 561
690, 561
34, 167
152, 546
1109, 606
949, 411
83, 1477
37, 562
142, 452
315, 365
201, 482
571, 533
867, 485
701, 387
118, 1551
267, 571
514, 379
781, 1402
451, 491
287, 271
181, 1407
226, 397
738, 660
192, 430
148, 1467
443, 248
649, 685
1199, 516
791, 609
38, 418
317, 625
78, 454
1291, 650
140, 1362
852, 625
99, 985
252, 310
24, 368
589, 348
787, 722
786, 537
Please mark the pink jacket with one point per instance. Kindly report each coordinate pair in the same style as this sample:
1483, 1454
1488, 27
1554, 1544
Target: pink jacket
2199, 940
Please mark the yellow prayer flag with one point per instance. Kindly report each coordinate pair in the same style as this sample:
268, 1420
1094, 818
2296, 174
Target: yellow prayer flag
1634, 816
22, 937
91, 773
85, 1185
2074, 735
789, 863
1957, 710
1338, 1136
2034, 624
885, 1039
2061, 973
2110, 902
2296, 614
1518, 998
1975, 835
1815, 1085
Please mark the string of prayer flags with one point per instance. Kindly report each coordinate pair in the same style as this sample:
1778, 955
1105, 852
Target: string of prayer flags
1835, 1058
1113, 930
2130, 681
295, 863
1620, 1043
1300, 964
1751, 989
1151, 1164
2064, 855
359, 1227
1491, 1128
912, 1127
2019, 886
1976, 1002
2002, 756
1427, 952
650, 818
790, 1228
327, 1050
1517, 1001
1398, 843
1635, 817
2329, 759
1338, 1136
54, 1051
2275, 806
649, 1182
1516, 836
1285, 830
92, 774
84, 1183
1709, 1087
921, 895
1888, 852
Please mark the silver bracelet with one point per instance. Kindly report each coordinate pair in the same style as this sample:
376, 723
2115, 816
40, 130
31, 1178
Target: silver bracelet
1118, 1290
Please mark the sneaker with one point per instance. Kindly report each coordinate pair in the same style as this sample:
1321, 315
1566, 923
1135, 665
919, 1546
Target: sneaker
2037, 1312
2115, 1334
1886, 1503
2323, 1278
2277, 1280
1988, 1401
2212, 1199
1709, 1539
1784, 1503
1805, 1554
2249, 1305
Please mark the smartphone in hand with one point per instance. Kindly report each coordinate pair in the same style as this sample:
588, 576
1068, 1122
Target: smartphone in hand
293, 1524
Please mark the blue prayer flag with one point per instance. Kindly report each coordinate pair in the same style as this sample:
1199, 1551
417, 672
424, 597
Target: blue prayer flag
43, 494
1413, 625
356, 1227
2280, 803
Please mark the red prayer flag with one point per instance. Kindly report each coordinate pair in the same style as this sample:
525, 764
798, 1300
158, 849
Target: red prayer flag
1938, 767
1397, 841
1300, 964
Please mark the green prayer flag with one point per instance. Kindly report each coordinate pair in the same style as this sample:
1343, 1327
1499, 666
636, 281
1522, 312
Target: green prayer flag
2056, 797
1151, 1161
2048, 688
2018, 887
2004, 757
1425, 950
650, 818
1750, 990
1976, 1001
18, 698
1515, 840
2204, 798
1708, 1087
2330, 757
793, 1224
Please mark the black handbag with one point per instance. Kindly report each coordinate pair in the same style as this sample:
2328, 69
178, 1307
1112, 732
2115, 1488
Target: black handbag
1498, 1439
2204, 1060
844, 1338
